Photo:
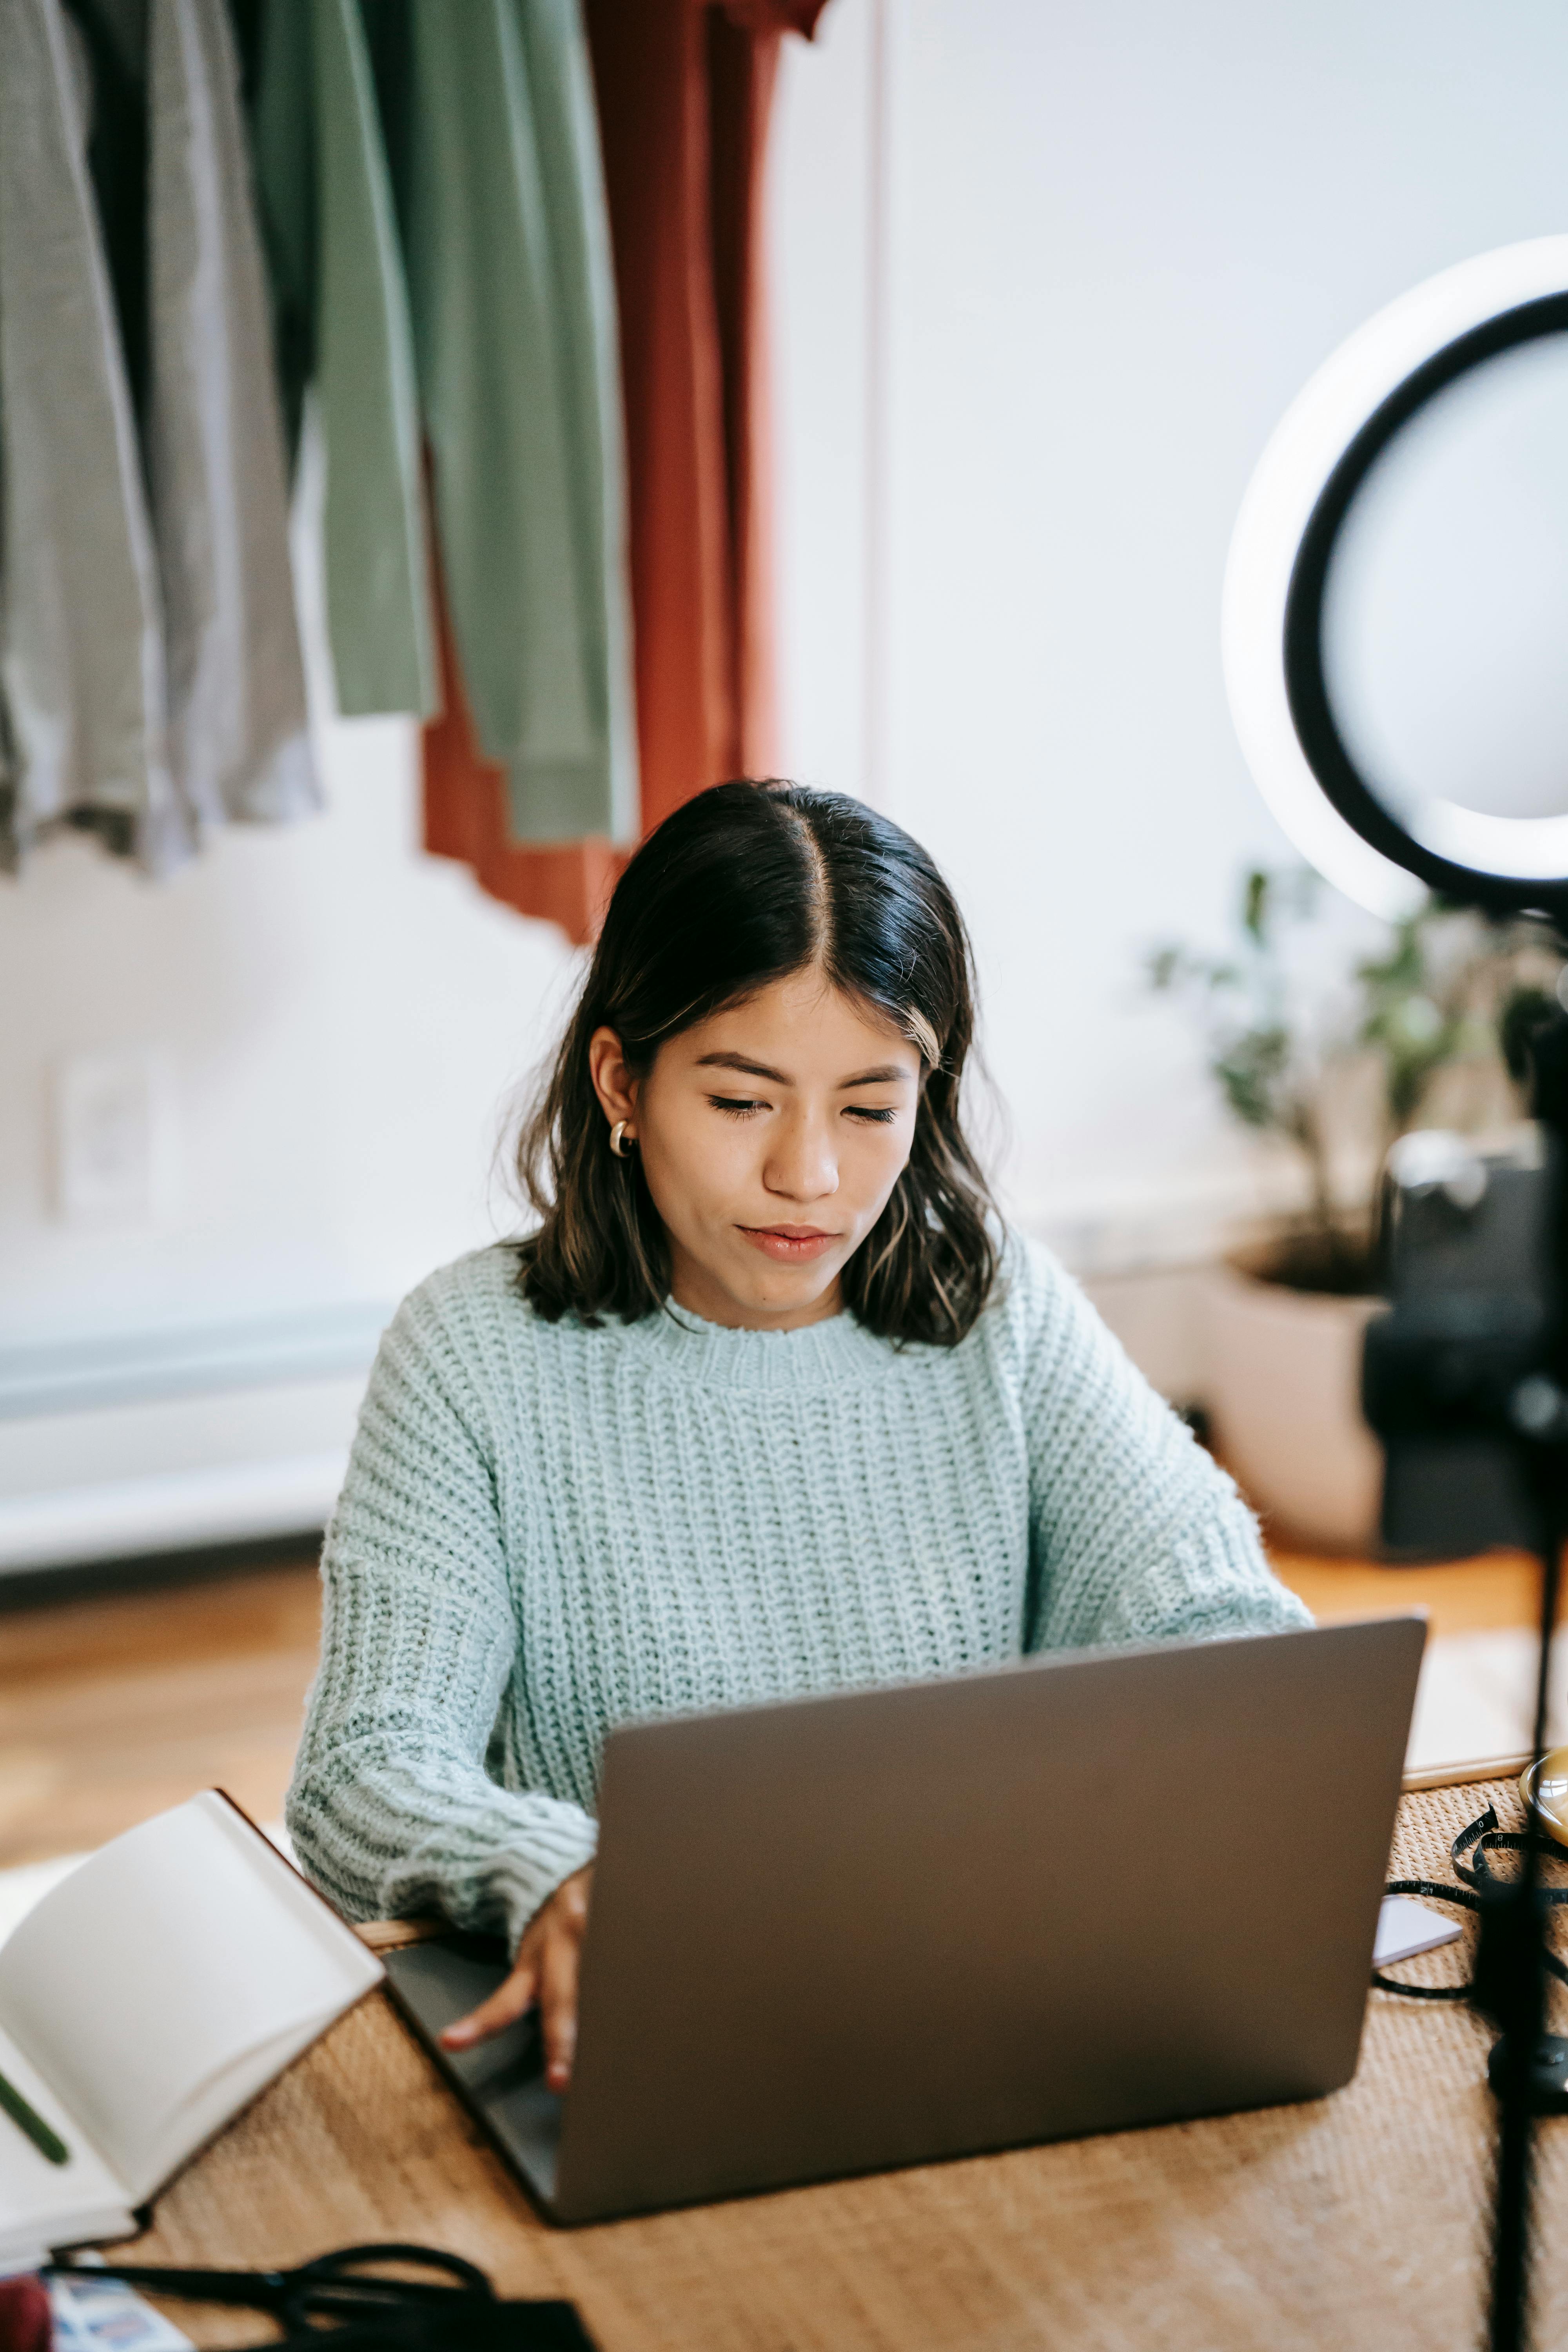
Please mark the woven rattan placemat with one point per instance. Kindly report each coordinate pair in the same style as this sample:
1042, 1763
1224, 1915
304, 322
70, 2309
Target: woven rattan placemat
1357, 2220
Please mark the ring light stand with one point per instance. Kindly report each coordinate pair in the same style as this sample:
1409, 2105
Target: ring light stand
1427, 1375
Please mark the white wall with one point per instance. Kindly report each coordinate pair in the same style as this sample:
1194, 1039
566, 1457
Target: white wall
343, 1016
1121, 236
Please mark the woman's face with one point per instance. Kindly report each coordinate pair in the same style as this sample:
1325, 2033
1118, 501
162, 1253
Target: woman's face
770, 1137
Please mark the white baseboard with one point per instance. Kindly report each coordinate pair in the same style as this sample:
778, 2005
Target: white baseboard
1115, 1231
233, 1502
101, 1370
178, 1440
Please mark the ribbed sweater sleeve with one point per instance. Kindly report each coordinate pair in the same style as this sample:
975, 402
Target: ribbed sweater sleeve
392, 1810
1136, 1534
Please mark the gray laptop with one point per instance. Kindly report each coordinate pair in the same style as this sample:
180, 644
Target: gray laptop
1072, 1894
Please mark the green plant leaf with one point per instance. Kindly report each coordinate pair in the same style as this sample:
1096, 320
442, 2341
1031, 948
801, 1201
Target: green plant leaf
1249, 1070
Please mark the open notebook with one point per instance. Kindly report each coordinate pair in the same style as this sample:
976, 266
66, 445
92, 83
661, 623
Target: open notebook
143, 2002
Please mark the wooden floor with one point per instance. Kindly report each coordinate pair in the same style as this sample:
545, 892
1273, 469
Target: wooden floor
1465, 1596
113, 1707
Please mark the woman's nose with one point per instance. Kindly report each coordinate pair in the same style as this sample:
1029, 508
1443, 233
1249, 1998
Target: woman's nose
803, 1165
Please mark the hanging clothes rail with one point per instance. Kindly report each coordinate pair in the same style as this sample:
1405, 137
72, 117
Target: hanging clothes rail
506, 260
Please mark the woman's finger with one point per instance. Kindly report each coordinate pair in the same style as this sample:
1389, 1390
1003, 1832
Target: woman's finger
510, 2001
558, 2007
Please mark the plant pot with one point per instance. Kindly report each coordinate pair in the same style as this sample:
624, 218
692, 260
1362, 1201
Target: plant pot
1284, 1396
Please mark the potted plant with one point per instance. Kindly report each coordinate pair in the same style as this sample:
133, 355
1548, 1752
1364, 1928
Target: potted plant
1336, 1036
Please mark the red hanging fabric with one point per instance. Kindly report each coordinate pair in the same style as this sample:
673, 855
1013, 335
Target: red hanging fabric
743, 67
466, 818
684, 89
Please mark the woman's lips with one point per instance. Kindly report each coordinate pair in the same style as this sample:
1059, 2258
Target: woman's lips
791, 1244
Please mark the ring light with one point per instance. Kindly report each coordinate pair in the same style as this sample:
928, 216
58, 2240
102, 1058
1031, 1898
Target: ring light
1293, 522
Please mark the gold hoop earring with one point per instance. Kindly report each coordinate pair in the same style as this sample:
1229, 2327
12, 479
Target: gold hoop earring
618, 1143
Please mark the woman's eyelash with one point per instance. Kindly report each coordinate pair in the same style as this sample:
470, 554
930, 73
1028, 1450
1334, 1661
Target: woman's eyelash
742, 1106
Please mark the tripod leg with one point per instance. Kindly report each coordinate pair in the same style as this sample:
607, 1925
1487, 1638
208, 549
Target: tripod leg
1514, 1976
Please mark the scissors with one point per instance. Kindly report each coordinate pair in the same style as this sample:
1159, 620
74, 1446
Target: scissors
344, 2287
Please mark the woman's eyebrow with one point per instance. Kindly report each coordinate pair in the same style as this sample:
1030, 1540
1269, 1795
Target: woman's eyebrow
739, 1062
886, 1074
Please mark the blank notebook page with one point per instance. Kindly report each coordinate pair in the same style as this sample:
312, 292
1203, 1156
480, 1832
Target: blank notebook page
150, 1977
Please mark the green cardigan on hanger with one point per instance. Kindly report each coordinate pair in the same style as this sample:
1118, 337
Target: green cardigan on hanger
513, 301
460, 146
341, 321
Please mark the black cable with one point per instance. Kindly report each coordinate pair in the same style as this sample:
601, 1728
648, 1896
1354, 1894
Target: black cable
1480, 1838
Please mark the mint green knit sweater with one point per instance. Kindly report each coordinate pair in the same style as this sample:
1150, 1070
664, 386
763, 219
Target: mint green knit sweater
548, 1530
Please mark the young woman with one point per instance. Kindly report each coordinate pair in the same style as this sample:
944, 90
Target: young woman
768, 1402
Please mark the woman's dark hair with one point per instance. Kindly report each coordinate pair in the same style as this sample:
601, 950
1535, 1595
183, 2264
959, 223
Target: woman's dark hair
743, 886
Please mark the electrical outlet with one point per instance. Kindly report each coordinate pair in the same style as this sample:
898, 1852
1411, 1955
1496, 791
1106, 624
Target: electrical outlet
114, 1136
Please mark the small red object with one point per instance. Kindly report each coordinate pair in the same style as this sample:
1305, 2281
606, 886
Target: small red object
26, 2325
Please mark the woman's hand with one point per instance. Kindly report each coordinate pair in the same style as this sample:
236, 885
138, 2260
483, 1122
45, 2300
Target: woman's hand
545, 1971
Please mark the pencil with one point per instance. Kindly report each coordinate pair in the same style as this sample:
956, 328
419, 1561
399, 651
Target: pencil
48, 2143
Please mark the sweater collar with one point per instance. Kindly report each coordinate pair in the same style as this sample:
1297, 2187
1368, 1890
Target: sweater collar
817, 1356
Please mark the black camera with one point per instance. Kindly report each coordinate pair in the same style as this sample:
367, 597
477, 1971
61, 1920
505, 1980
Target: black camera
1460, 1372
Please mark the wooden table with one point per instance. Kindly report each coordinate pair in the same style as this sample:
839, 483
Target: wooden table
1355, 2220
